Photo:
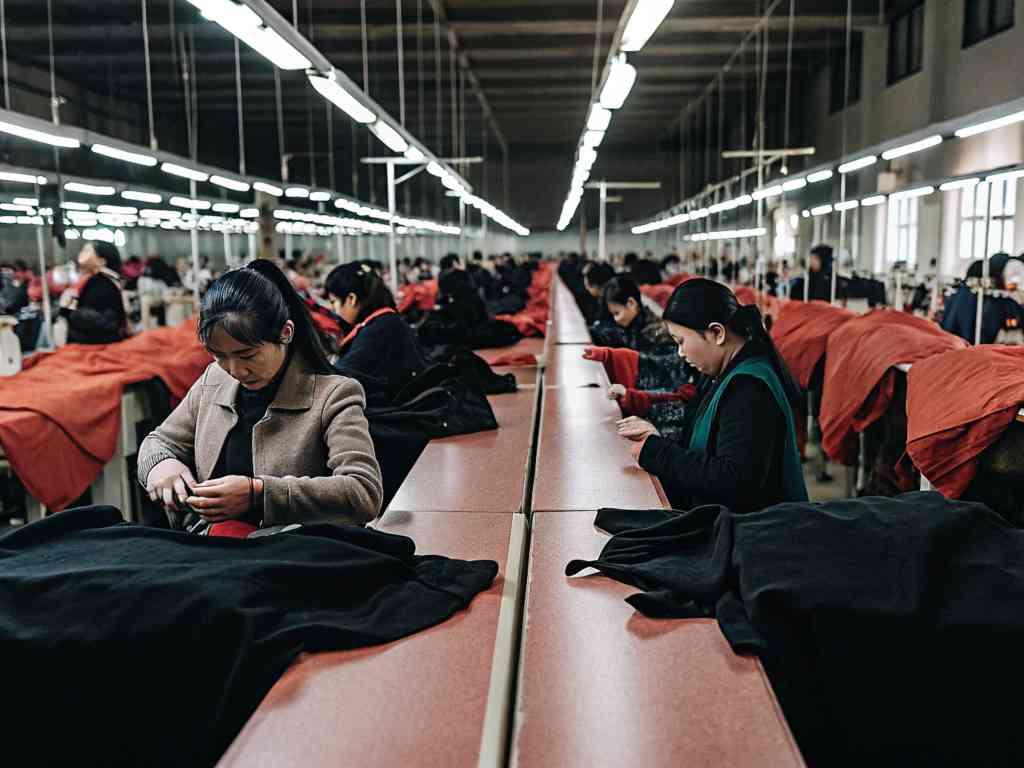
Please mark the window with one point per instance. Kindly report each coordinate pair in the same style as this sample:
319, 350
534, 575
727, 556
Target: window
974, 205
984, 18
902, 231
906, 44
837, 70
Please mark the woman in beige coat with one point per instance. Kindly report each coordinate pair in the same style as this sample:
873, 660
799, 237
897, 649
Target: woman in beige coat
271, 433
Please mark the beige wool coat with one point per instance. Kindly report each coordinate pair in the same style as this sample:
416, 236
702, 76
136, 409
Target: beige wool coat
312, 450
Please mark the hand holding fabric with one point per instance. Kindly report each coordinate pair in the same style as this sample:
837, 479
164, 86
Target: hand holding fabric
597, 354
636, 429
224, 498
616, 392
166, 483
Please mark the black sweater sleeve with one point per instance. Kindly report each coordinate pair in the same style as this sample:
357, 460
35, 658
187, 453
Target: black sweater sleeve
737, 468
100, 310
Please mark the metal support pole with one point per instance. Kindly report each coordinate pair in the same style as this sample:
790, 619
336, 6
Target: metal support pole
462, 229
984, 268
392, 255
194, 240
47, 313
339, 239
602, 244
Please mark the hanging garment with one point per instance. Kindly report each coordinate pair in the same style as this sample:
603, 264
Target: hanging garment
959, 404
890, 628
860, 359
801, 333
140, 646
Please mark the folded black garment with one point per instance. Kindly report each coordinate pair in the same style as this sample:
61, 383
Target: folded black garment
133, 646
891, 628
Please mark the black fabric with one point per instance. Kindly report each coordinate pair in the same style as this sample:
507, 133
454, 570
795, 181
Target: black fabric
997, 313
743, 465
891, 629
441, 329
136, 646
385, 350
100, 316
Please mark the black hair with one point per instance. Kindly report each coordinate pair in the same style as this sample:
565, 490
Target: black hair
448, 261
600, 273
252, 304
646, 272
629, 259
824, 254
670, 259
698, 303
108, 253
620, 290
366, 284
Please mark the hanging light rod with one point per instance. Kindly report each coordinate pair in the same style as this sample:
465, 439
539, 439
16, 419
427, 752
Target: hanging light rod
732, 154
642, 21
253, 28
40, 131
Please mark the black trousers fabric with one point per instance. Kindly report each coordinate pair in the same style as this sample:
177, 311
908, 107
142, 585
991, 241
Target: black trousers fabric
127, 645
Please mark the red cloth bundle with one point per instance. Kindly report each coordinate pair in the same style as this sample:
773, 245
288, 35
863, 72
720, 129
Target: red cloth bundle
514, 358
60, 416
423, 296
660, 293
801, 332
861, 355
234, 529
621, 364
958, 404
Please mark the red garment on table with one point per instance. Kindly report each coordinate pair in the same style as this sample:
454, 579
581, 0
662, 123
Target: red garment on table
637, 402
801, 332
622, 365
235, 529
533, 320
423, 296
958, 404
61, 415
860, 361
770, 306
513, 358
659, 293
682, 277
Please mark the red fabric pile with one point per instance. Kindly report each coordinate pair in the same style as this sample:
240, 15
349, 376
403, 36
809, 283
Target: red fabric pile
769, 305
60, 417
533, 321
423, 296
660, 293
958, 404
861, 356
801, 332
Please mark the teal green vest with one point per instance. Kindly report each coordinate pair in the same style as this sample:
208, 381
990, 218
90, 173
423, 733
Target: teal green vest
793, 475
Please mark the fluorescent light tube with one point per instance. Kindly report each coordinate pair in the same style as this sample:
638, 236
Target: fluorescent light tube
392, 139
186, 173
744, 200
621, 76
793, 184
593, 139
88, 189
226, 207
814, 178
646, 17
141, 197
907, 149
270, 189
127, 210
821, 210
990, 125
856, 165
848, 205
867, 202
232, 184
599, 118
43, 137
296, 192
74, 206
773, 191
249, 213
242, 22
121, 154
31, 202
1005, 176
155, 213
435, 169
959, 184
320, 197
916, 192
21, 178
186, 202
328, 87
414, 154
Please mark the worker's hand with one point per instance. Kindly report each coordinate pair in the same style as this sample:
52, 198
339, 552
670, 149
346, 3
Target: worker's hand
598, 354
635, 428
223, 498
166, 483
616, 391
67, 299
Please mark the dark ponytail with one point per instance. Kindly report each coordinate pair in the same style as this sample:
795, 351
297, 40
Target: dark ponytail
698, 303
252, 305
620, 290
367, 285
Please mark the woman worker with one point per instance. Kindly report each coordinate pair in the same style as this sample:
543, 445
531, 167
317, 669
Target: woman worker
274, 436
95, 310
738, 446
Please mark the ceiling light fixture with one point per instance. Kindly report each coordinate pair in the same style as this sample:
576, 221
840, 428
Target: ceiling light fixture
186, 173
621, 77
245, 24
121, 154
88, 189
141, 197
990, 125
270, 189
645, 19
908, 149
329, 87
392, 139
232, 184
856, 165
